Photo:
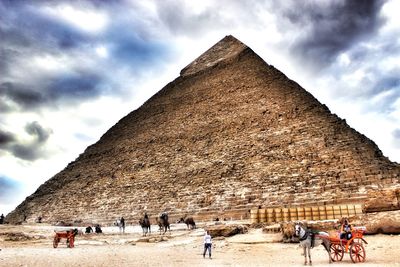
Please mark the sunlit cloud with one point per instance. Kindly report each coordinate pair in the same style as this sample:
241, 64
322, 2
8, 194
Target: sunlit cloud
92, 21
102, 51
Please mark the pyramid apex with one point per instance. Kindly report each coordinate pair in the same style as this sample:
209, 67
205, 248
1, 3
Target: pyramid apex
228, 47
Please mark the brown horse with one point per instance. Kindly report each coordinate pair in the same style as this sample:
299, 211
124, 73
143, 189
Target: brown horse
145, 224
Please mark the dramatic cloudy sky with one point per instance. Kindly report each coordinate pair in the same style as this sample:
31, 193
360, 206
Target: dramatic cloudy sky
69, 70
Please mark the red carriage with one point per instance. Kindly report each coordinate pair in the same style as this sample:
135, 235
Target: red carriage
353, 246
69, 235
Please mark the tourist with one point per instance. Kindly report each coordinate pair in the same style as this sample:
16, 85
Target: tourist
207, 244
2, 219
98, 229
122, 221
89, 230
345, 230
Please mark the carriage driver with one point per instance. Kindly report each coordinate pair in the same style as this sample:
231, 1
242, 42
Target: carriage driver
345, 230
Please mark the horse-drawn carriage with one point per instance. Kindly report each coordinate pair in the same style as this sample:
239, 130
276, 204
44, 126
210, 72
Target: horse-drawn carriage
69, 235
333, 244
353, 246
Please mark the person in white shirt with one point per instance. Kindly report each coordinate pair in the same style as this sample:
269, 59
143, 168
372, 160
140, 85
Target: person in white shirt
207, 244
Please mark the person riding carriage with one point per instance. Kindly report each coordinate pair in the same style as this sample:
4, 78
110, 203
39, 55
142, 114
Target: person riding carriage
345, 230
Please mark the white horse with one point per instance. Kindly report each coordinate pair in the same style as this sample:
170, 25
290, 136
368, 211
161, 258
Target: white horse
309, 240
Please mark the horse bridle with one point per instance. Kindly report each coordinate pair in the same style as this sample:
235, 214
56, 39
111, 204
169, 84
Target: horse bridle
298, 232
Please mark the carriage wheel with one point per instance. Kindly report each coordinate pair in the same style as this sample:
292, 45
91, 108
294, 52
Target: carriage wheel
336, 252
357, 252
55, 242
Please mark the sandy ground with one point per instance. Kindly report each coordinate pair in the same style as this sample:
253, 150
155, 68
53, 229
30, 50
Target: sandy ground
181, 247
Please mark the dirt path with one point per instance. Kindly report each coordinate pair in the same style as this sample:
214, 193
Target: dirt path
183, 248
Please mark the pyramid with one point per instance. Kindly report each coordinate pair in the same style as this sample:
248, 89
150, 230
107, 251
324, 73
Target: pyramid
229, 134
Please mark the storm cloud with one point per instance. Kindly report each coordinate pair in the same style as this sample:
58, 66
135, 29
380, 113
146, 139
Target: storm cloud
328, 28
47, 62
29, 150
6, 138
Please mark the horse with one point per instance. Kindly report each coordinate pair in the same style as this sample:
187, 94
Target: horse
189, 221
163, 223
309, 240
120, 225
145, 224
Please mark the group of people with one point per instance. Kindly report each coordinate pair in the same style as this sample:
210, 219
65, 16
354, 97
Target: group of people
164, 215
97, 229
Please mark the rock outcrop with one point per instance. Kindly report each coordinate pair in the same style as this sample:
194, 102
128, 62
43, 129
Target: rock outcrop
226, 230
229, 134
382, 199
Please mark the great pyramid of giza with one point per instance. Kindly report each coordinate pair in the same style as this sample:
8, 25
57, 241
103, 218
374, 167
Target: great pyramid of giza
229, 134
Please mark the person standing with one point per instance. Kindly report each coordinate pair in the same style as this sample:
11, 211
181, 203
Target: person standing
122, 221
2, 219
207, 244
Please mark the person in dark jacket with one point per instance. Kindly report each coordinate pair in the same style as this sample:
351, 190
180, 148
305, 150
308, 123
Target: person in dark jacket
98, 229
345, 230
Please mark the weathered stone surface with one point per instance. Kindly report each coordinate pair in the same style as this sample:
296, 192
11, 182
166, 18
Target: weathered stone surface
380, 222
272, 228
230, 134
288, 232
382, 200
227, 230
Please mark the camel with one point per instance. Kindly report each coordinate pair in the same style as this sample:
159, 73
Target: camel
163, 223
145, 224
189, 221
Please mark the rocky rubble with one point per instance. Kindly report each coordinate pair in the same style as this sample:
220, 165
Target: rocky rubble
227, 230
380, 222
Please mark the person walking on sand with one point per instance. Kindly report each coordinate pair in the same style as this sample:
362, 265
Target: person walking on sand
207, 244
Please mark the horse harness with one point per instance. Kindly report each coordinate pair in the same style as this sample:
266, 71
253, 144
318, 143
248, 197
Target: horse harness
308, 233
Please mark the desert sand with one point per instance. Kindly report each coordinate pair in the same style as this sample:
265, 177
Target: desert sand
31, 245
